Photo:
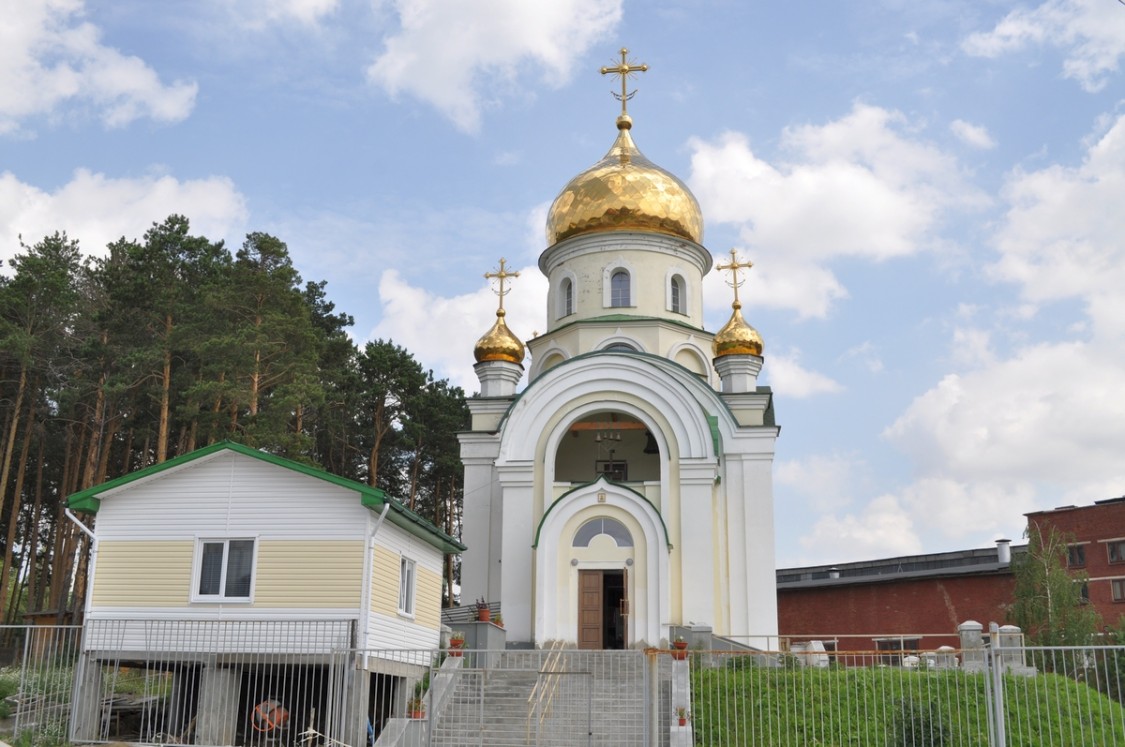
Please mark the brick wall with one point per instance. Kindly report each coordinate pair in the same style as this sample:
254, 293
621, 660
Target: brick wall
1091, 527
935, 605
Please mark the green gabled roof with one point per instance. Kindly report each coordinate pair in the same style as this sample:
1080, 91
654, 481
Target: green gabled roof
601, 478
89, 500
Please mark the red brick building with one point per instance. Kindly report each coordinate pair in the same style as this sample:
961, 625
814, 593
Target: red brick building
1096, 538
918, 601
912, 602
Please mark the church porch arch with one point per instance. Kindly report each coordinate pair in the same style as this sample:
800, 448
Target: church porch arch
559, 566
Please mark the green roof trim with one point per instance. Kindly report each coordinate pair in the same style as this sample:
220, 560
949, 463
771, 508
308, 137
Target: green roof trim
716, 437
89, 500
602, 478
619, 318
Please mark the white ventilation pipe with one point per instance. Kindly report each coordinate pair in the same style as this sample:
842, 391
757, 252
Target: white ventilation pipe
1004, 551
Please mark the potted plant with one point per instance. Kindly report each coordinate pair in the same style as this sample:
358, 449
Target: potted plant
456, 643
484, 614
679, 648
416, 707
498, 620
682, 715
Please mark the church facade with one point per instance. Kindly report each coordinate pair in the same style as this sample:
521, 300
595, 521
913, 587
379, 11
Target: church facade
627, 488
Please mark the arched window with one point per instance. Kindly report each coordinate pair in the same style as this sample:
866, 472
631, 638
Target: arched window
620, 347
566, 298
677, 292
594, 527
619, 288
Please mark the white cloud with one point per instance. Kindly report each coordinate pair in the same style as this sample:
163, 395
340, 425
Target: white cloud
972, 347
1061, 236
1052, 413
257, 14
96, 209
50, 58
969, 510
789, 379
1091, 33
827, 482
862, 186
1040, 425
485, 46
883, 528
867, 353
441, 332
973, 135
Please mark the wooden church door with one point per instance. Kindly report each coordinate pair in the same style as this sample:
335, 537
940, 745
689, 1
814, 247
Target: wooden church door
603, 609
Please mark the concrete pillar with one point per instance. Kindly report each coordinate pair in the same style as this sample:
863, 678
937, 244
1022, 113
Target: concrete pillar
217, 717
357, 692
480, 564
699, 578
973, 654
516, 588
86, 698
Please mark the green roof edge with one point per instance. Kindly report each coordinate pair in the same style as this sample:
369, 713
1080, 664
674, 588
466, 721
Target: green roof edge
370, 497
539, 527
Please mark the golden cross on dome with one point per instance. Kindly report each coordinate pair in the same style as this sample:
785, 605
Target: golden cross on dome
501, 275
624, 69
734, 266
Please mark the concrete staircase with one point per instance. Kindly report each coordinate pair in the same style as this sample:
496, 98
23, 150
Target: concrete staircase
567, 699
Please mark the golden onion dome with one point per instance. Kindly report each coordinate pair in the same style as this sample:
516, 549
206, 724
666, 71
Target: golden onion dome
624, 191
499, 344
737, 337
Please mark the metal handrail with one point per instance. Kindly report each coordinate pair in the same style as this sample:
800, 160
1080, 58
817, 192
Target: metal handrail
544, 690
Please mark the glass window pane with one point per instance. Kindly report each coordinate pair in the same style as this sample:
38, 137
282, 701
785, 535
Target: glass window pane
240, 563
619, 289
211, 568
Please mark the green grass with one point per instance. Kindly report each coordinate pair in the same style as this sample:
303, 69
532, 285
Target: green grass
9, 685
753, 705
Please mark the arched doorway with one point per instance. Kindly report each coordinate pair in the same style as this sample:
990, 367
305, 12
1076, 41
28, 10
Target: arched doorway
603, 593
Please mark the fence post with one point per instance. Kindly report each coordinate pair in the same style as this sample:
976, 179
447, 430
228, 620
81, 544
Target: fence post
652, 686
996, 671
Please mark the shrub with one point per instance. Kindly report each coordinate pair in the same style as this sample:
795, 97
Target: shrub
917, 725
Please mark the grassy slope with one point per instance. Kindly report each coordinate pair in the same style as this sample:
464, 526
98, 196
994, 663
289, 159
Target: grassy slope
875, 707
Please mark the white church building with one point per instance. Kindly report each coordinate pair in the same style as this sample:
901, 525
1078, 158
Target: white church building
628, 487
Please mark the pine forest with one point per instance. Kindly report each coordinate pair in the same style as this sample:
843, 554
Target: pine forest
169, 343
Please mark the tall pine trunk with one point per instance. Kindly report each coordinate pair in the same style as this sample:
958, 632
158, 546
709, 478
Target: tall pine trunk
17, 502
10, 441
165, 393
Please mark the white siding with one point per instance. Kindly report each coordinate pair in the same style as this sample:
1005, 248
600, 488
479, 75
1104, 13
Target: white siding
232, 494
399, 631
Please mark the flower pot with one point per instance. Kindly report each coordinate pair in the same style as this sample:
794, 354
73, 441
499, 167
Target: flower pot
484, 614
455, 646
679, 650
683, 721
417, 714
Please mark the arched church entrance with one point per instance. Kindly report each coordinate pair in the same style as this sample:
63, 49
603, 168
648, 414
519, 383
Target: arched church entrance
602, 573
603, 592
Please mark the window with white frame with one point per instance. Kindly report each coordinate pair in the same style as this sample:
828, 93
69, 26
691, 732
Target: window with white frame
406, 577
566, 297
619, 288
1118, 585
676, 293
224, 569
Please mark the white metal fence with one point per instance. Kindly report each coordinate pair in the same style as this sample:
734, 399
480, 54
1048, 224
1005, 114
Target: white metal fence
198, 685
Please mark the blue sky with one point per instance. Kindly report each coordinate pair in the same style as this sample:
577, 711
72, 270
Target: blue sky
931, 194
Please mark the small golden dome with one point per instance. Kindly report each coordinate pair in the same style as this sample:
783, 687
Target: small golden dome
624, 191
499, 344
737, 337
